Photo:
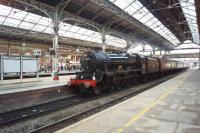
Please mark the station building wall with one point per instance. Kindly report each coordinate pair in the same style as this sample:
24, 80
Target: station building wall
15, 48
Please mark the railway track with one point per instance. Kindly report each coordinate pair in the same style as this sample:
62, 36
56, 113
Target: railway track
76, 108
77, 117
15, 116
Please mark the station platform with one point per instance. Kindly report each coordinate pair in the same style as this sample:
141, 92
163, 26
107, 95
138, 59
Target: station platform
18, 93
20, 85
170, 107
40, 74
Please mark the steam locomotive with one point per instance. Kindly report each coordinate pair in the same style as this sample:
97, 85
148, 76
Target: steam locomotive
104, 71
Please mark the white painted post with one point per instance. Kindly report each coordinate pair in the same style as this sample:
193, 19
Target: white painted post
103, 42
154, 52
1, 61
56, 23
37, 74
103, 39
199, 59
143, 48
128, 43
21, 67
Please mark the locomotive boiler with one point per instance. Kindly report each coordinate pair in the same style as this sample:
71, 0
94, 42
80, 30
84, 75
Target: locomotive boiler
104, 71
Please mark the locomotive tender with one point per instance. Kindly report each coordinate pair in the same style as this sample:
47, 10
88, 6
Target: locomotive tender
104, 71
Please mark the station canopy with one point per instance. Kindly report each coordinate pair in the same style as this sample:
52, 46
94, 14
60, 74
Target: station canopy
142, 12
25, 20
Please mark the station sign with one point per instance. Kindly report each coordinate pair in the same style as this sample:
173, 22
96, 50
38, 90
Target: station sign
37, 52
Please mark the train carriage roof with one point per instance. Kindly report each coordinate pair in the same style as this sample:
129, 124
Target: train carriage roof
139, 55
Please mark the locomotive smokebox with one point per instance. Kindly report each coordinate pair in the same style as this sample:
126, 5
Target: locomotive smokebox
90, 61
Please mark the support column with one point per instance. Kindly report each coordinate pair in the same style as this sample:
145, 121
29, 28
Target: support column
42, 59
55, 46
199, 59
37, 74
154, 50
165, 52
21, 67
103, 35
74, 57
143, 48
103, 43
128, 43
1, 66
9, 49
160, 52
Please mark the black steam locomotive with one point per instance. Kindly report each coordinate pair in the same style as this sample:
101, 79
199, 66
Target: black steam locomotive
104, 71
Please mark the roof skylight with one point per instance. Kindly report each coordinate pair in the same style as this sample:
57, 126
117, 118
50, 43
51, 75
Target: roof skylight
142, 14
190, 15
115, 41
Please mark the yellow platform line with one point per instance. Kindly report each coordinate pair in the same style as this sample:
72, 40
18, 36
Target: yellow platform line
151, 105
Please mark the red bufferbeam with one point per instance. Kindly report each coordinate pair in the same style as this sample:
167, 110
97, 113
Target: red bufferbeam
86, 83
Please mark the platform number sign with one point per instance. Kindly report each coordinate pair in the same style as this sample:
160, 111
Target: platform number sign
37, 53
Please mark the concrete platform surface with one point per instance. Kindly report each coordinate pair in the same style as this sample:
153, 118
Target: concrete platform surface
17, 85
171, 107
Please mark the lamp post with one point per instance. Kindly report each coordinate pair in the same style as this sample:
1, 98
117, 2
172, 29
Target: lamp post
199, 59
21, 60
22, 49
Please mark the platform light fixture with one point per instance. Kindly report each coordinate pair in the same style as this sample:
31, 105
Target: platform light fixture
77, 50
23, 44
